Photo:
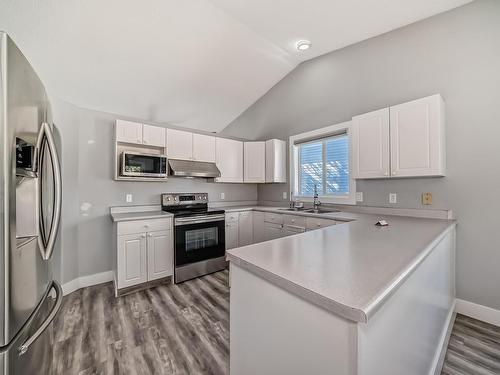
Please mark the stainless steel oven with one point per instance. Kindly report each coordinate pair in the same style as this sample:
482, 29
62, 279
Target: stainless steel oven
135, 164
199, 235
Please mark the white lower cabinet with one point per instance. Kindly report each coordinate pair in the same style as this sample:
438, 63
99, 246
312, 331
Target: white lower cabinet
258, 226
231, 234
290, 230
249, 227
160, 254
313, 223
143, 255
245, 228
273, 231
132, 260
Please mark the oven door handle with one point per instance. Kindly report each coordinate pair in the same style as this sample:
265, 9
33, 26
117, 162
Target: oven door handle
198, 219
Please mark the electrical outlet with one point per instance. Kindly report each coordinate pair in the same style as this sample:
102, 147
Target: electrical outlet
285, 195
427, 199
393, 198
222, 196
359, 196
128, 198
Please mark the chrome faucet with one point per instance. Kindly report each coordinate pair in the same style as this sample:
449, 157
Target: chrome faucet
316, 201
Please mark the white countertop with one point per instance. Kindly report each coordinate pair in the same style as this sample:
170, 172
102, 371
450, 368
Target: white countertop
349, 269
141, 215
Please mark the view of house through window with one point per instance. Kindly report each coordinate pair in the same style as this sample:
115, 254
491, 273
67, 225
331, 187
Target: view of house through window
324, 163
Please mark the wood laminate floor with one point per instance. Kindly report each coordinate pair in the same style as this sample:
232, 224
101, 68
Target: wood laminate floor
170, 329
184, 329
474, 348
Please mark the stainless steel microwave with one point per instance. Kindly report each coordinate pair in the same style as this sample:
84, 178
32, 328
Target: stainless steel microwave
135, 164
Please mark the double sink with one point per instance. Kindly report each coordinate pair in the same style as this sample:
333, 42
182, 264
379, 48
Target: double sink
311, 210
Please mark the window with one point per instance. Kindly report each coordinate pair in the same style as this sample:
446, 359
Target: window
321, 158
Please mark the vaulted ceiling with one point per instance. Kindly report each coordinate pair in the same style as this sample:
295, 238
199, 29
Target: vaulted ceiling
192, 63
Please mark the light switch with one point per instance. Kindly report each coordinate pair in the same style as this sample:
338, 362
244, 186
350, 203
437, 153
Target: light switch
285, 195
393, 198
128, 198
222, 196
359, 196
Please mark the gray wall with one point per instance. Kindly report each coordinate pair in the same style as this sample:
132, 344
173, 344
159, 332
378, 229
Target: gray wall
86, 242
456, 54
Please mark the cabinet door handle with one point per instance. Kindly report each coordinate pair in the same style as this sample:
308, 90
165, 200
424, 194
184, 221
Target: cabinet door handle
143, 236
394, 173
150, 235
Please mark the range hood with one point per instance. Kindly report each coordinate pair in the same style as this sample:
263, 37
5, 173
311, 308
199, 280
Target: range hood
187, 168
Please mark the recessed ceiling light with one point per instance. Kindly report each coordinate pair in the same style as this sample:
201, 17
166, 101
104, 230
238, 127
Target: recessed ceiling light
303, 45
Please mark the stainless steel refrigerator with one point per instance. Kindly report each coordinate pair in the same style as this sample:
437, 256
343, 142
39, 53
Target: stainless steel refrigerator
30, 206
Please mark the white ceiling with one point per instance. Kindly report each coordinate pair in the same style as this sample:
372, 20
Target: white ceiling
196, 63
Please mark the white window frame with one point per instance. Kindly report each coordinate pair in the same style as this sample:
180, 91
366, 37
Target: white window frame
344, 127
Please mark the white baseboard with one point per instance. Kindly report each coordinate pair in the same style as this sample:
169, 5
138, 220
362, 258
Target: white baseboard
479, 312
84, 281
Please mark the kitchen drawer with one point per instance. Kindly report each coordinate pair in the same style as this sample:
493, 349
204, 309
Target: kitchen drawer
270, 217
316, 223
232, 217
139, 226
245, 214
294, 220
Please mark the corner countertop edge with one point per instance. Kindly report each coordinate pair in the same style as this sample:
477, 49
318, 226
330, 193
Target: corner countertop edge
346, 312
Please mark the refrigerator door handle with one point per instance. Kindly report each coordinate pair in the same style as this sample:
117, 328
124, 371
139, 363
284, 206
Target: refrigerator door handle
55, 309
47, 243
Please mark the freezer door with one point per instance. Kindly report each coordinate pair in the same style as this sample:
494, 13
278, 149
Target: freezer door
30, 352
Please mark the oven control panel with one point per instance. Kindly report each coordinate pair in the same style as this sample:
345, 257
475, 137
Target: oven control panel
183, 199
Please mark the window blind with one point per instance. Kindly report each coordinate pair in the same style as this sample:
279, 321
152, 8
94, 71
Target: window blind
324, 163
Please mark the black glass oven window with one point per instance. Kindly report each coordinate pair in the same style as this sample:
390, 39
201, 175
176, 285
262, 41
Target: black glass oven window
197, 239
142, 164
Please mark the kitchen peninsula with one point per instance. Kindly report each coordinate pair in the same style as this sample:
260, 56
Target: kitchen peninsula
348, 299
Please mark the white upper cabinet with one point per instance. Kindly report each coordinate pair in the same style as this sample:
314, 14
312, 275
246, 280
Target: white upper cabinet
255, 162
406, 140
128, 131
179, 144
275, 161
417, 138
153, 136
203, 148
137, 133
371, 144
229, 159
190, 146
